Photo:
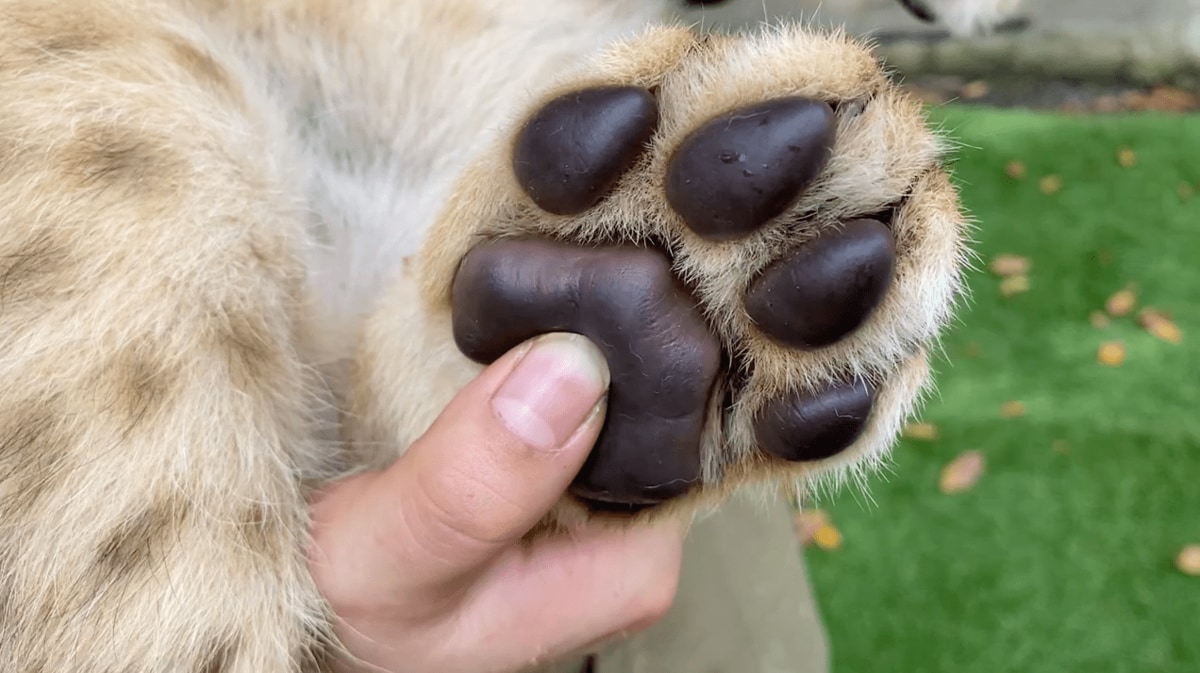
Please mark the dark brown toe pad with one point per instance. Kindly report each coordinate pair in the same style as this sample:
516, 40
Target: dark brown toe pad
662, 358
825, 289
814, 426
573, 150
732, 175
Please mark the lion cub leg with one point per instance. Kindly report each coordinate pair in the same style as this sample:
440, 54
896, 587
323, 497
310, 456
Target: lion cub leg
155, 415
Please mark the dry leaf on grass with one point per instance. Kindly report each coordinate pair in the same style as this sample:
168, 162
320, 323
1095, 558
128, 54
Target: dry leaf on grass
961, 473
1098, 319
975, 90
1010, 265
1188, 560
1014, 285
1060, 446
1111, 353
1015, 170
828, 537
814, 527
1121, 303
928, 94
1012, 409
1174, 99
1160, 325
1051, 184
1185, 191
1162, 99
923, 431
806, 522
1126, 157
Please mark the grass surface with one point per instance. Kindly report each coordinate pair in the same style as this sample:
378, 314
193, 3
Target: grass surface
1059, 559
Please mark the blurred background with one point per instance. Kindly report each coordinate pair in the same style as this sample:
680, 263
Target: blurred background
1043, 513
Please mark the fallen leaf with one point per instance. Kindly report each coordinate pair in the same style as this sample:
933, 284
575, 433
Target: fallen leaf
1012, 409
926, 432
1126, 157
1174, 99
1111, 353
1098, 319
1188, 560
1185, 191
927, 95
975, 90
974, 350
962, 472
1159, 325
1015, 170
807, 522
828, 537
1050, 184
1162, 99
1104, 257
1010, 265
1014, 285
1121, 303
1060, 446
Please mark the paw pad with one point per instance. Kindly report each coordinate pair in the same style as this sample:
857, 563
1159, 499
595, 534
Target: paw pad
662, 359
723, 250
736, 172
826, 288
814, 426
572, 152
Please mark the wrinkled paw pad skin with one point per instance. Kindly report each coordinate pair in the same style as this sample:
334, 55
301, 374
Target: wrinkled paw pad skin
676, 377
663, 361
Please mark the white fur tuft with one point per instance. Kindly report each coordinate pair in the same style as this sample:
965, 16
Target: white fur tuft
972, 17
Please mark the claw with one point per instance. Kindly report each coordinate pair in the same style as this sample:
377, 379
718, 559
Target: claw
920, 10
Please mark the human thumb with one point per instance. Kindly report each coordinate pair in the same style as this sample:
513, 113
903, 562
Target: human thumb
488, 469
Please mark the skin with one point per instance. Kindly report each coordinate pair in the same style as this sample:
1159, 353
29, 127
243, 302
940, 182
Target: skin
423, 562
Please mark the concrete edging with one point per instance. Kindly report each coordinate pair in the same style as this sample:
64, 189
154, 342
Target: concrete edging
1124, 59
1102, 41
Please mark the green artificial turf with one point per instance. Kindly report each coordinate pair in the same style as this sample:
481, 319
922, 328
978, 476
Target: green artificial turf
1057, 561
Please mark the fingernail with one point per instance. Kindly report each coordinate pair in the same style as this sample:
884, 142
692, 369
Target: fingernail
553, 390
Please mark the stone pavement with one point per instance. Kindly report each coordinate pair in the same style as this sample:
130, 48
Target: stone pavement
1126, 41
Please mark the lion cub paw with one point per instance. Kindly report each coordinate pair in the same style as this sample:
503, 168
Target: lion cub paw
756, 232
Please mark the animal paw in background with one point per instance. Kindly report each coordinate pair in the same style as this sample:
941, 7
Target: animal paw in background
965, 18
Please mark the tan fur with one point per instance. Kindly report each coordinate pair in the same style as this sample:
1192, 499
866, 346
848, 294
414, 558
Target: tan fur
211, 272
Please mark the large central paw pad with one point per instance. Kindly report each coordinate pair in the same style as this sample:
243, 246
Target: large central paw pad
757, 313
663, 361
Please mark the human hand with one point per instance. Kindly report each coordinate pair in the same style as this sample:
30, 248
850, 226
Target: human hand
423, 563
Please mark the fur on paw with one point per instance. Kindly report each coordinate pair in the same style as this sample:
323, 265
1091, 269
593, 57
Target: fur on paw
757, 232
